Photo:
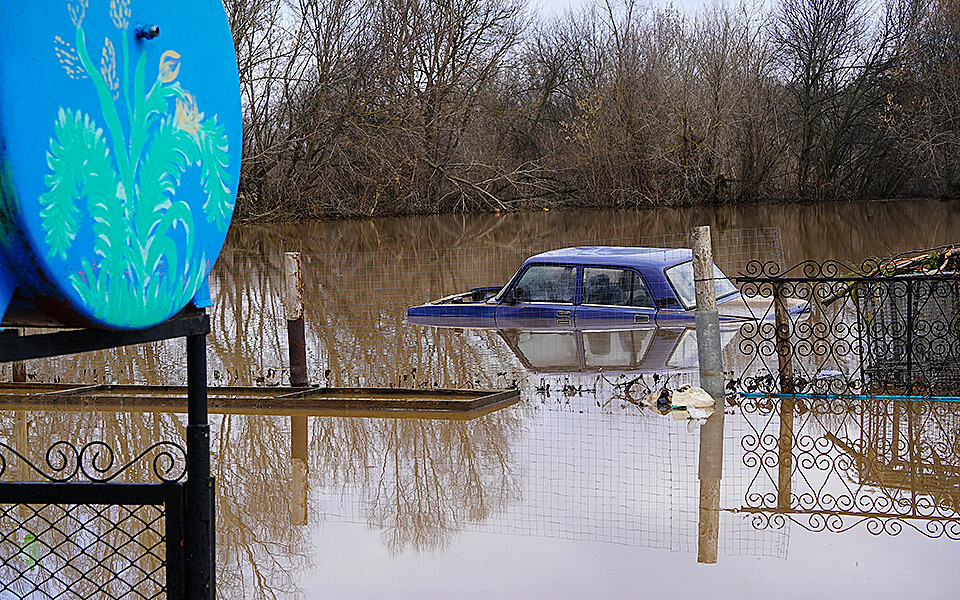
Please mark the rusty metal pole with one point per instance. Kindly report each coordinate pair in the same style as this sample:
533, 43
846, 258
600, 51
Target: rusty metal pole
710, 355
297, 353
785, 360
293, 304
19, 367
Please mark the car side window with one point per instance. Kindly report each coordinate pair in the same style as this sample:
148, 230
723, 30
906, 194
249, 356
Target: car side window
547, 283
615, 287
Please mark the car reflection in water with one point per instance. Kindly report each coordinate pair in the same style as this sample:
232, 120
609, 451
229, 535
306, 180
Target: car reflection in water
566, 349
646, 350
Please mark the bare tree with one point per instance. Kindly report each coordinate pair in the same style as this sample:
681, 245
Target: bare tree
923, 117
838, 58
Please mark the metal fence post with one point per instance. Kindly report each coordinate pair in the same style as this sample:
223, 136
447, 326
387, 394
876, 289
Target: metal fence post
785, 364
709, 352
293, 305
199, 534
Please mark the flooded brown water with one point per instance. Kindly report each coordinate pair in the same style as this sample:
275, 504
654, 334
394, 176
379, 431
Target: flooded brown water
574, 492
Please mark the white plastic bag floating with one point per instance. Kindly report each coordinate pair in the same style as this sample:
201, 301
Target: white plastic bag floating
686, 402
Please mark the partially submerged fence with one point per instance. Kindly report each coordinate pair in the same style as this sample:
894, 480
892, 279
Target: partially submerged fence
851, 388
832, 329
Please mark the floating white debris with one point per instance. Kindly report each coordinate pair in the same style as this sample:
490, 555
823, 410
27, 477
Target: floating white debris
686, 402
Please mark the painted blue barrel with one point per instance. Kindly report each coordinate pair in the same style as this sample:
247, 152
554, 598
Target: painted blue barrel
120, 138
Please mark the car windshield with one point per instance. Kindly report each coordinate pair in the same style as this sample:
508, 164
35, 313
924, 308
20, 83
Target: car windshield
547, 283
681, 277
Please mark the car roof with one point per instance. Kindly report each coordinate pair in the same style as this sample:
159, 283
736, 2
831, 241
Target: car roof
615, 255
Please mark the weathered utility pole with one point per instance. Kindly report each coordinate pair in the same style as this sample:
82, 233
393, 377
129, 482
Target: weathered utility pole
709, 352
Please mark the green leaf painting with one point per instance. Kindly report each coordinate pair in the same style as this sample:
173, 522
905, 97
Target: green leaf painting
125, 167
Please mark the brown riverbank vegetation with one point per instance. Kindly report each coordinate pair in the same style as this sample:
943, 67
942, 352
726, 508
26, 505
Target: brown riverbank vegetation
378, 107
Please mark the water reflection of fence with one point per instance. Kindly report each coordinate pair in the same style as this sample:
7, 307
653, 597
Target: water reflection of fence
844, 462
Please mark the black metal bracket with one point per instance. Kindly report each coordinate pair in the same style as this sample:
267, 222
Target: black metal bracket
74, 341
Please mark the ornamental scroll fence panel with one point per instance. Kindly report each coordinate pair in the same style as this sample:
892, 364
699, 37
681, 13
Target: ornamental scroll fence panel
72, 525
847, 331
850, 391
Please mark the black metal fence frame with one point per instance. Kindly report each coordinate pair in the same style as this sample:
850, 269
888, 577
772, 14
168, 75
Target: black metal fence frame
788, 337
189, 510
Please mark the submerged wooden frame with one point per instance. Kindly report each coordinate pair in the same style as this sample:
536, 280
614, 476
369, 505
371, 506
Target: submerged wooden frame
273, 401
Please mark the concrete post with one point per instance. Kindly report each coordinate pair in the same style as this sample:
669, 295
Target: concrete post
709, 352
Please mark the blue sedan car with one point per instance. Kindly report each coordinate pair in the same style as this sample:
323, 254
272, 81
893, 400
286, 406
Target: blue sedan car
588, 288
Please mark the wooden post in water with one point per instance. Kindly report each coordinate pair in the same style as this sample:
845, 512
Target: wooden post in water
785, 360
19, 367
709, 352
297, 353
293, 303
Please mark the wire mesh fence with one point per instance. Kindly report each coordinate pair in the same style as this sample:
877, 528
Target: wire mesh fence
88, 521
574, 466
578, 459
82, 551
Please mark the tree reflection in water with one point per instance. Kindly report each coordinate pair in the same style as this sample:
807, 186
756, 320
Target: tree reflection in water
419, 481
575, 448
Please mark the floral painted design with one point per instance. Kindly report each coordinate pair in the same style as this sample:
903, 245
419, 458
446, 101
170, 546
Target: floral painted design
125, 166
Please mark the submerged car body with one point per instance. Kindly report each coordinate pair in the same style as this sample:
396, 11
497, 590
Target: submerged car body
592, 287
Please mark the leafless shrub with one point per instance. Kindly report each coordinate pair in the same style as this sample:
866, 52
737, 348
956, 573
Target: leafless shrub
375, 107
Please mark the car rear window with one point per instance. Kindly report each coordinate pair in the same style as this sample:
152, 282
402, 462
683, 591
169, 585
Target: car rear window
614, 287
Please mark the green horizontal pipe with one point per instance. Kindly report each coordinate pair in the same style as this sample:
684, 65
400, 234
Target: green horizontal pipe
853, 397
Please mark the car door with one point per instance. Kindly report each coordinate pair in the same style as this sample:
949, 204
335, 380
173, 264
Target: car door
542, 297
614, 297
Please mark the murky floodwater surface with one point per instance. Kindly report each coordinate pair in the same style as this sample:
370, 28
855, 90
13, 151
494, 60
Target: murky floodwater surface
575, 492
